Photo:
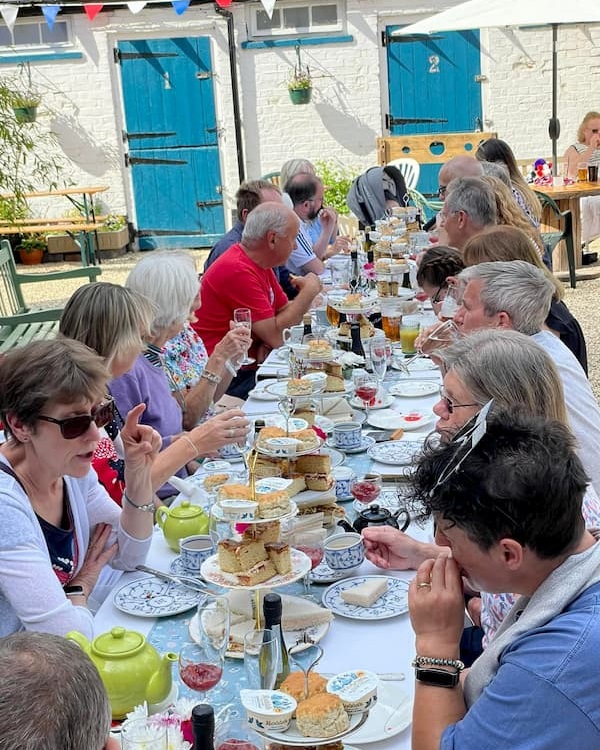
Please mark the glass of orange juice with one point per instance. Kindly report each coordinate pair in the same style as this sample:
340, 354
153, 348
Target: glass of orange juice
409, 330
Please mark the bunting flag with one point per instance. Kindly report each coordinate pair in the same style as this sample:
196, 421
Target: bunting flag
92, 10
137, 6
224, 3
180, 6
9, 13
268, 5
50, 12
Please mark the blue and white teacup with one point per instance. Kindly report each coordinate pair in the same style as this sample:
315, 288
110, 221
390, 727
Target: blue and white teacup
344, 476
347, 435
194, 551
230, 450
344, 551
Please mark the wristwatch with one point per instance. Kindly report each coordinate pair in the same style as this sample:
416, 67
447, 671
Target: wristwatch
74, 590
437, 677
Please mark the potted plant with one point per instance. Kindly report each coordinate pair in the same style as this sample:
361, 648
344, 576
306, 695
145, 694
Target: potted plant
300, 82
112, 234
32, 248
25, 105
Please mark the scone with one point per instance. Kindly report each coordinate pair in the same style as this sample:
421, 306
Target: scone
273, 504
322, 716
298, 387
234, 492
294, 685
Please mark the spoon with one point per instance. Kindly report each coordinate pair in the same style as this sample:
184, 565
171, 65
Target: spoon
306, 657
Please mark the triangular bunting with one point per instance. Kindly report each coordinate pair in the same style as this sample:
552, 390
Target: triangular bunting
137, 6
180, 6
9, 13
50, 12
92, 10
268, 5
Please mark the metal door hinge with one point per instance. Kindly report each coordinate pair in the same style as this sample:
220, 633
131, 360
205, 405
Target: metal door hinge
480, 78
206, 204
202, 75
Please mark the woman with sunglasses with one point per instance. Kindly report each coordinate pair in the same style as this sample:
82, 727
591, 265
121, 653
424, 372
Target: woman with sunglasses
513, 370
59, 526
122, 319
586, 151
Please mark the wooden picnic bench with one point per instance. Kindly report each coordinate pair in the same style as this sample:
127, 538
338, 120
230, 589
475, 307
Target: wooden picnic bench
20, 324
79, 231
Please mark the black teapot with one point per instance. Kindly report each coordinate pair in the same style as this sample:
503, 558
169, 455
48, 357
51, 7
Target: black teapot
375, 515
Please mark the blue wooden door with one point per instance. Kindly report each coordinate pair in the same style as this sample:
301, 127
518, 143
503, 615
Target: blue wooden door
171, 131
434, 87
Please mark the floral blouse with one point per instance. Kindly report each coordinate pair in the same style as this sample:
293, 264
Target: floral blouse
184, 358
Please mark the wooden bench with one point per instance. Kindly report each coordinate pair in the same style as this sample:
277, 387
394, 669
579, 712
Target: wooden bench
20, 324
85, 243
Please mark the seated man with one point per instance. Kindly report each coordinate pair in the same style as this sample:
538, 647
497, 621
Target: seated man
249, 195
517, 295
507, 501
469, 208
51, 696
243, 277
458, 166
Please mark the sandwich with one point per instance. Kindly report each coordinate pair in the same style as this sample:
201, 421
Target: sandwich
367, 593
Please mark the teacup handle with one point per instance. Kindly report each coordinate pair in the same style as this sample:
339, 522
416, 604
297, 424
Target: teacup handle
406, 522
286, 335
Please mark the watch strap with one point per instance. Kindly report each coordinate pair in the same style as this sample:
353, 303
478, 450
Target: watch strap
74, 590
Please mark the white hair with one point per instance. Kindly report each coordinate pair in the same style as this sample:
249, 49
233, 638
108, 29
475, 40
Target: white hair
473, 196
267, 217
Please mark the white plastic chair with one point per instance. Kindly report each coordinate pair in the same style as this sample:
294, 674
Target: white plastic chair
410, 170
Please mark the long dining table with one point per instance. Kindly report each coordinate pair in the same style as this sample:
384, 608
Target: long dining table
382, 646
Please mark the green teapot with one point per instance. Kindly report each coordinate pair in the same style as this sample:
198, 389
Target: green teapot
181, 521
131, 669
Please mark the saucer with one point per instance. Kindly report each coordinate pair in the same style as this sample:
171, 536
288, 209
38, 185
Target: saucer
367, 442
324, 574
176, 567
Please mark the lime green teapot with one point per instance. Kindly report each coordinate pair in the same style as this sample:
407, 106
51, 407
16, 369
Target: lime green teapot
180, 521
131, 669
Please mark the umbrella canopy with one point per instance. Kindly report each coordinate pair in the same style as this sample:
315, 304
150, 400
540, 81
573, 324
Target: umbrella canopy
479, 14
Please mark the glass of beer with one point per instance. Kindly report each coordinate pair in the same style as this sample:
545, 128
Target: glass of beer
582, 172
391, 317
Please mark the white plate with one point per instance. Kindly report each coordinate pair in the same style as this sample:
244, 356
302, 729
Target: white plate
419, 365
278, 420
366, 443
211, 572
392, 419
292, 736
377, 726
316, 633
260, 393
150, 597
383, 404
395, 452
273, 454
324, 574
336, 456
366, 304
218, 513
414, 388
393, 603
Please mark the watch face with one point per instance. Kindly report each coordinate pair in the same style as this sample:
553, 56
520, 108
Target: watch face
437, 677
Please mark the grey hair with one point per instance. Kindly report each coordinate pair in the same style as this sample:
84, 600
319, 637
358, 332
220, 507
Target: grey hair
509, 367
515, 287
169, 279
473, 196
497, 169
293, 167
67, 704
267, 217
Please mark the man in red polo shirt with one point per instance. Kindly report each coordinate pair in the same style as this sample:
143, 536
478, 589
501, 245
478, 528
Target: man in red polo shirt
243, 277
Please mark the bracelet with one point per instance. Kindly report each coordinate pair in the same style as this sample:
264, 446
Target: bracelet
418, 661
146, 507
211, 377
191, 444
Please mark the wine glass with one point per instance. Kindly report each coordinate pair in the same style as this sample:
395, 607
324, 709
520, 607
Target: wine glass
366, 390
213, 639
311, 542
421, 298
242, 318
200, 667
366, 489
446, 333
379, 357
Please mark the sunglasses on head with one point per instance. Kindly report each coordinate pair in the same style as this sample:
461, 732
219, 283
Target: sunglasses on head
74, 427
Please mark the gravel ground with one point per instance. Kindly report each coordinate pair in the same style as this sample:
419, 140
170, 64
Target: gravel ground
583, 301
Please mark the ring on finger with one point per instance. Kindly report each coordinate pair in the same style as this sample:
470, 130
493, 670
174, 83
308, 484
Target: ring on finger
423, 585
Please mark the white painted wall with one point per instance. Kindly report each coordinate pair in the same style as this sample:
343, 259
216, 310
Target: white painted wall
82, 104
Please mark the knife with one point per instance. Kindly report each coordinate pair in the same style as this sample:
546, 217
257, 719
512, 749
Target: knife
191, 583
391, 676
380, 436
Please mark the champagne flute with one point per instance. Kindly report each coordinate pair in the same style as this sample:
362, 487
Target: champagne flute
379, 350
242, 318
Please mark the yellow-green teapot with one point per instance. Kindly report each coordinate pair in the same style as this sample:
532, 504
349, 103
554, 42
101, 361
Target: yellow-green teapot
131, 669
180, 521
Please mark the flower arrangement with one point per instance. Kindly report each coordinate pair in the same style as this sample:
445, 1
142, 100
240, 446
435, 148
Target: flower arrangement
113, 222
300, 79
178, 720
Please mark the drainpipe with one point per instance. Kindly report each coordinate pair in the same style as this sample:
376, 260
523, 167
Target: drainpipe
234, 90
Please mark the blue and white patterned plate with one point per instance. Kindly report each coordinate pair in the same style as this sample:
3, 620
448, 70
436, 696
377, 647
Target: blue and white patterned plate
395, 452
149, 597
391, 604
366, 442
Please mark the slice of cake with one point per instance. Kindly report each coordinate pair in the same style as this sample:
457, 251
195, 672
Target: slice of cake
273, 504
298, 485
263, 532
367, 593
307, 438
229, 562
279, 555
298, 387
316, 470
306, 411
319, 348
261, 572
250, 552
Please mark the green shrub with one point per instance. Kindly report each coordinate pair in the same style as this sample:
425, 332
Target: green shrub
337, 180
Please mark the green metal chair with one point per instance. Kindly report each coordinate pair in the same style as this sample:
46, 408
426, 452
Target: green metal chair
551, 239
428, 206
272, 177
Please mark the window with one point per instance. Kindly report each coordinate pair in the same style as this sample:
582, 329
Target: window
292, 19
33, 36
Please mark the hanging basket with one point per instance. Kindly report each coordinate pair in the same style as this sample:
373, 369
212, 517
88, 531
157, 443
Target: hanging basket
25, 114
300, 96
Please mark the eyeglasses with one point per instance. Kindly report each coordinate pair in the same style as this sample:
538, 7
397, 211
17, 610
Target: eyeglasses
466, 441
442, 189
74, 427
449, 404
436, 296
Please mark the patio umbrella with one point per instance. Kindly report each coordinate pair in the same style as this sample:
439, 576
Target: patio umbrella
479, 14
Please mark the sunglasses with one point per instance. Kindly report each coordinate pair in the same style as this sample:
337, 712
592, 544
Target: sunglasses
74, 427
449, 403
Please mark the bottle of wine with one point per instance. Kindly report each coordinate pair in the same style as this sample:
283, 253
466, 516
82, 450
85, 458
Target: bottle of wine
258, 425
203, 727
355, 279
356, 346
272, 617
307, 321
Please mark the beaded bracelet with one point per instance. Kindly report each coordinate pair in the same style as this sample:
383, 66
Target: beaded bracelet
145, 507
211, 377
421, 660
